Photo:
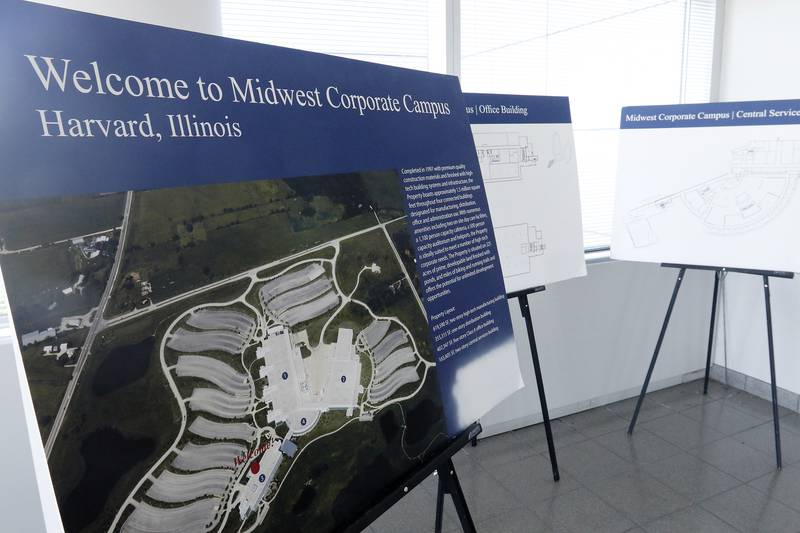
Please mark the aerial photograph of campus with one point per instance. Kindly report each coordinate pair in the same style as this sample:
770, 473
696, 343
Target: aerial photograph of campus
242, 357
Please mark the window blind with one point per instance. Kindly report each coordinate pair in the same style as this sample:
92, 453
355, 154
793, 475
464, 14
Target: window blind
407, 33
603, 55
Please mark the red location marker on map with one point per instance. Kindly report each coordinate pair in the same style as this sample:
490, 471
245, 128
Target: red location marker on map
255, 467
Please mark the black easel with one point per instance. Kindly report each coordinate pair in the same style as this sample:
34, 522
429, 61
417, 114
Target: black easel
442, 464
765, 275
524, 307
448, 484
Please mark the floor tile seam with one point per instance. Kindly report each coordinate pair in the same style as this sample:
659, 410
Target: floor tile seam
703, 399
636, 463
642, 524
769, 495
573, 476
698, 506
609, 449
546, 452
488, 473
741, 481
790, 414
628, 468
701, 505
769, 421
605, 408
703, 403
670, 409
715, 428
688, 450
767, 418
555, 442
537, 500
529, 452
725, 404
602, 434
490, 515
771, 455
548, 501
727, 434
632, 519
549, 526
783, 427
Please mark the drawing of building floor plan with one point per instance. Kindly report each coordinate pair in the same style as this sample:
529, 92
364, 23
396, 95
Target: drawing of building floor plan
504, 156
762, 180
531, 182
518, 245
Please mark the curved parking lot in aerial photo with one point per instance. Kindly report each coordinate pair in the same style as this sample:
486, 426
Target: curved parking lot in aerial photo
255, 360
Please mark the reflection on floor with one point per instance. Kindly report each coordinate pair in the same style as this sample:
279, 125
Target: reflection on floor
694, 463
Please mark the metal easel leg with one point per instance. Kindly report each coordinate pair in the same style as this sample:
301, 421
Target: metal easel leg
775, 418
525, 309
440, 491
448, 484
711, 329
681, 273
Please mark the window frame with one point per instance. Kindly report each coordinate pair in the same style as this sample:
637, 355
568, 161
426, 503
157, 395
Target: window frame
453, 62
452, 55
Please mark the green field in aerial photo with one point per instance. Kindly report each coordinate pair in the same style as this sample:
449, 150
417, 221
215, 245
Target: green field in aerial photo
249, 356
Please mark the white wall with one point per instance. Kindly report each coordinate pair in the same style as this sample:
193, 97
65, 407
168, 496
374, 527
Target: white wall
759, 50
595, 336
760, 62
28, 503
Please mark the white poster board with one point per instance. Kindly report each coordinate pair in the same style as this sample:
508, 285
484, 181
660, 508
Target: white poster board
526, 152
709, 184
527, 155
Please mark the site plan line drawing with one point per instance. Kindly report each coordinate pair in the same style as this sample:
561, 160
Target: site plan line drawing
531, 179
762, 180
519, 245
504, 156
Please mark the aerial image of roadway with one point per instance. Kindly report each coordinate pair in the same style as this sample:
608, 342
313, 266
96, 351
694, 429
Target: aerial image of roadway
228, 358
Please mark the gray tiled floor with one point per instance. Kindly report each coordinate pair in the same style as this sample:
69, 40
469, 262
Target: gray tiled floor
694, 463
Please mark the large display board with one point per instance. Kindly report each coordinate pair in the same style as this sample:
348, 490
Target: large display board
709, 184
253, 287
527, 156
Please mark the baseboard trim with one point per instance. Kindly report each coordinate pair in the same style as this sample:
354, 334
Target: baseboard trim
598, 401
762, 389
737, 380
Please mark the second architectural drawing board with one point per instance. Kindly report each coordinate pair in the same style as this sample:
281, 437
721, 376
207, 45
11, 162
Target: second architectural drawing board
709, 184
527, 156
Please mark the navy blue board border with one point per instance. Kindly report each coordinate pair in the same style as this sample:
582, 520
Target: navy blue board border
298, 141
485, 108
711, 115
277, 141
